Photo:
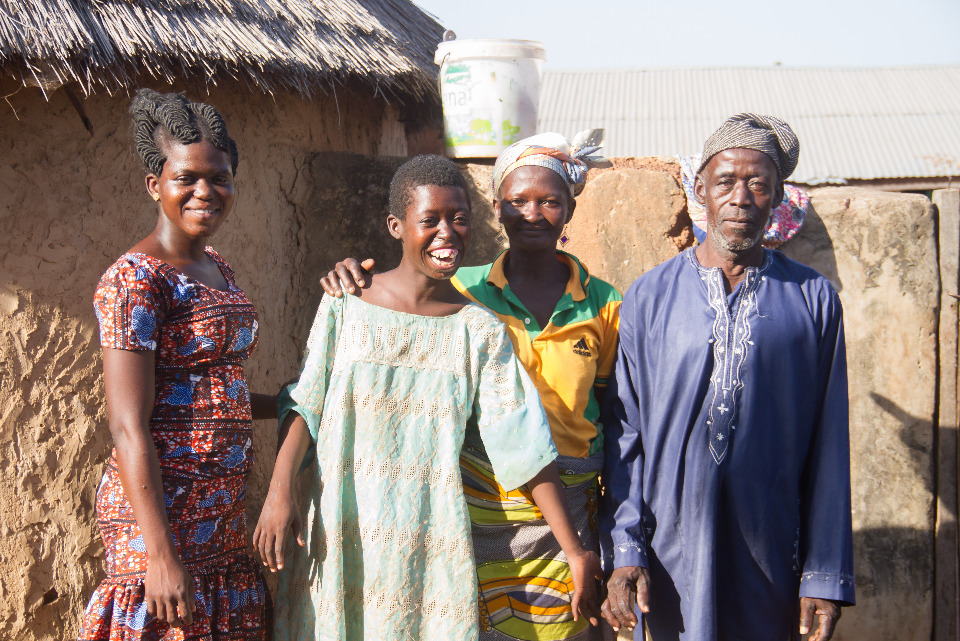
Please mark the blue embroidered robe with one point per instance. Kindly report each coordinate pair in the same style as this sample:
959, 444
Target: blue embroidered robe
727, 448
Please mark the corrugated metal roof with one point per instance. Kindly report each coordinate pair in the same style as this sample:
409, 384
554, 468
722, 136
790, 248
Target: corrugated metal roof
856, 123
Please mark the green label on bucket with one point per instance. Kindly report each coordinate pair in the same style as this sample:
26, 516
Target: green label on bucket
457, 74
511, 134
480, 132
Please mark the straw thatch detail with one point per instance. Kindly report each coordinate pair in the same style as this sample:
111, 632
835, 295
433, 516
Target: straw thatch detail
303, 45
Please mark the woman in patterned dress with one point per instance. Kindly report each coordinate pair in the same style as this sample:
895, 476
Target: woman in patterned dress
391, 386
175, 329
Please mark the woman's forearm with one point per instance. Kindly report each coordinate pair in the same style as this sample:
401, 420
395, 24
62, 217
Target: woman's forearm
294, 439
263, 406
129, 384
548, 495
584, 564
139, 470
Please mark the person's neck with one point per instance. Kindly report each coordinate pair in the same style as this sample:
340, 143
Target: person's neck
732, 264
177, 248
419, 289
524, 267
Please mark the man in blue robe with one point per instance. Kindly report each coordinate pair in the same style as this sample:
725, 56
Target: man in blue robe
727, 505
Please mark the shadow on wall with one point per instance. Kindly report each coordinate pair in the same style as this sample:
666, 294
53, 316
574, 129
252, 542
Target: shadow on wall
813, 246
912, 426
343, 213
894, 564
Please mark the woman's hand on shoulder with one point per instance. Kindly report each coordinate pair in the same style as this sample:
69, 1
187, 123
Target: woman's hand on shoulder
354, 276
280, 516
169, 591
586, 573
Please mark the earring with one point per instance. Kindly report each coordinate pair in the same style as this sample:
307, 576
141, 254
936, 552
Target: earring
156, 197
501, 237
564, 237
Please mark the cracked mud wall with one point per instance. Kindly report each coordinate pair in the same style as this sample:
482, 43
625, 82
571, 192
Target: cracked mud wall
71, 203
297, 212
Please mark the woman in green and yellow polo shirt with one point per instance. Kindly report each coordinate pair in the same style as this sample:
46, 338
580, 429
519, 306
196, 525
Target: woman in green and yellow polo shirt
563, 324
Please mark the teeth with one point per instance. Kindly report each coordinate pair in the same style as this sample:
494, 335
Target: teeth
444, 253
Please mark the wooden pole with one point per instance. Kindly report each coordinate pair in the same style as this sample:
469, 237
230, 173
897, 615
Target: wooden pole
946, 625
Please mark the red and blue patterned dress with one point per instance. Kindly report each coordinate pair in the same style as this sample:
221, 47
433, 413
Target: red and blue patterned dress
201, 425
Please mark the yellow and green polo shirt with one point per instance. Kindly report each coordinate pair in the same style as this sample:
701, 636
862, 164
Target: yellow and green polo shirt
566, 359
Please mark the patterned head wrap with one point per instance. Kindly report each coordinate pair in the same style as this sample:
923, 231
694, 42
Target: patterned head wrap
767, 134
554, 152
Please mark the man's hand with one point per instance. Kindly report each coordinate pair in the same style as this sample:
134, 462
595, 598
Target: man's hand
829, 613
617, 610
352, 274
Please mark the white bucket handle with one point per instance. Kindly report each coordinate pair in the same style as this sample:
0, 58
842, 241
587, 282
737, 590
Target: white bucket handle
440, 76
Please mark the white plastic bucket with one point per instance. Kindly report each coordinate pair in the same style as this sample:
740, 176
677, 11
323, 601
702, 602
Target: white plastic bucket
490, 91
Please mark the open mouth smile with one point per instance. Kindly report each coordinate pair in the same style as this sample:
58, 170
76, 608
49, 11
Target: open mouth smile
445, 258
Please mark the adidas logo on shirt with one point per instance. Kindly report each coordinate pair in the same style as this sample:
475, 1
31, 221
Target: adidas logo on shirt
581, 347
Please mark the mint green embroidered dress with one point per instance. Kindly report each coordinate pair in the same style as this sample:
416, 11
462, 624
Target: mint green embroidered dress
388, 397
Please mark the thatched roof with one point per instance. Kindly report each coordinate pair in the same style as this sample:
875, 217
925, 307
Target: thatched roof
304, 45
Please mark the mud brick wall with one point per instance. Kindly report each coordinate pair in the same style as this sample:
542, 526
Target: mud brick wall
71, 202
75, 201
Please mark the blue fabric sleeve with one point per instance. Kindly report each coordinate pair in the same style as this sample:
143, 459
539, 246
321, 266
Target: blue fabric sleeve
622, 539
826, 538
311, 389
510, 416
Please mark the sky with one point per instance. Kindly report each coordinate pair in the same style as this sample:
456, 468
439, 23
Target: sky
604, 34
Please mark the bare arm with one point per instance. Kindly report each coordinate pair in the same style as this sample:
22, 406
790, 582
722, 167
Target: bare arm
353, 275
129, 380
281, 514
584, 564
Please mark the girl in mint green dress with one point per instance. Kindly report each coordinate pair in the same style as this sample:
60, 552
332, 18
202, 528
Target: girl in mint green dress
390, 386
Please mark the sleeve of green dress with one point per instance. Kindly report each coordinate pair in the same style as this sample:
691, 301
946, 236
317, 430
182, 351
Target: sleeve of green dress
286, 404
307, 396
510, 416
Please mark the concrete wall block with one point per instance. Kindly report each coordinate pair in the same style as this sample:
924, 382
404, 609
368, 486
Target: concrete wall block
947, 603
626, 222
879, 250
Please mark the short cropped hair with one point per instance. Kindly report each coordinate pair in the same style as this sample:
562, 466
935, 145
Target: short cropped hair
161, 118
427, 169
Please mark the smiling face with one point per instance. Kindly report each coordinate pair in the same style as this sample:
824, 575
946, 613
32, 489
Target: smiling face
533, 205
195, 188
738, 188
435, 232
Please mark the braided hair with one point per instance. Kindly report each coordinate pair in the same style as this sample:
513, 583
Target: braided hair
162, 118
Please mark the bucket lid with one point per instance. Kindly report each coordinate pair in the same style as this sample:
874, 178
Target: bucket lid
453, 50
